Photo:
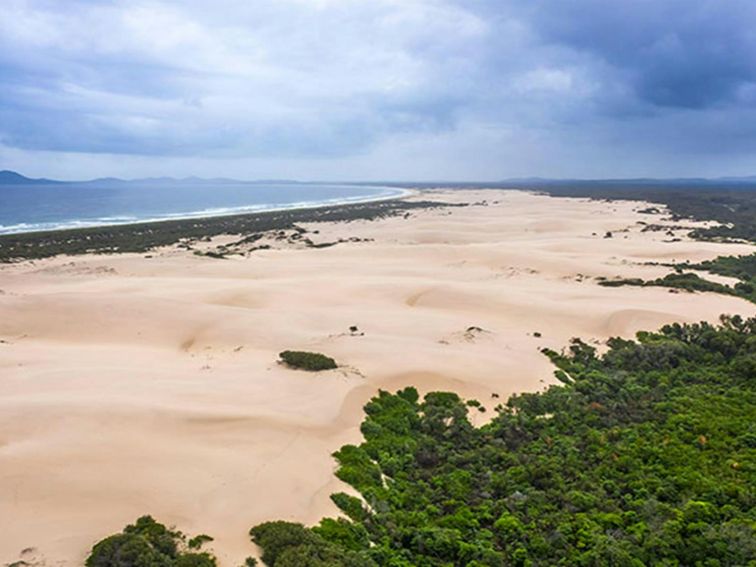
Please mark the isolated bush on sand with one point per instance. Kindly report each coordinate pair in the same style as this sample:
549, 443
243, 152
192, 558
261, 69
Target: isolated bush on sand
312, 361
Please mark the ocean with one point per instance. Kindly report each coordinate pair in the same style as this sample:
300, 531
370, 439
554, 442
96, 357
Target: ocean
30, 208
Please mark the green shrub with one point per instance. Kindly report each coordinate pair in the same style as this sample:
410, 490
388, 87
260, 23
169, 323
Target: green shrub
147, 543
621, 282
198, 541
312, 361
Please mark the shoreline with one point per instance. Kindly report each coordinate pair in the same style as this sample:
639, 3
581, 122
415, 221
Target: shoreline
141, 237
398, 193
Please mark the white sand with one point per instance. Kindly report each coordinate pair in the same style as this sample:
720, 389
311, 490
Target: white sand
131, 385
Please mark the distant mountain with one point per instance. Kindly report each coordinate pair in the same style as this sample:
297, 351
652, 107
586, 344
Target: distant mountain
106, 180
13, 178
749, 182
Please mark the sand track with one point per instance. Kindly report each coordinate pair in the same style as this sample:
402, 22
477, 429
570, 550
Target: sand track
131, 385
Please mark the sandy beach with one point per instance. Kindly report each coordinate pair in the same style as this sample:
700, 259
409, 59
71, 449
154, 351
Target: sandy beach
148, 383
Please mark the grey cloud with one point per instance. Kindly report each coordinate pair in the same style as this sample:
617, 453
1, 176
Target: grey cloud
340, 80
675, 53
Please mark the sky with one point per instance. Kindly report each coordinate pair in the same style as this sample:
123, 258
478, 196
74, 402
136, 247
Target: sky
474, 90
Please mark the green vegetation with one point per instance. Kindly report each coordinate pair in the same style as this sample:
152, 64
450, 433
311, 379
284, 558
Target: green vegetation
143, 237
741, 267
645, 456
622, 281
732, 206
686, 281
312, 361
147, 543
286, 544
198, 541
693, 282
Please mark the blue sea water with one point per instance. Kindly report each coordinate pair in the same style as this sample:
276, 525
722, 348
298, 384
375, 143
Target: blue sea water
29, 208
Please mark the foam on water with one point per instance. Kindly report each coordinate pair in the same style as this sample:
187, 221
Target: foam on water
76, 208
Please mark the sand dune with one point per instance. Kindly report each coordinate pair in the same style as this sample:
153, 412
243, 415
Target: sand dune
132, 385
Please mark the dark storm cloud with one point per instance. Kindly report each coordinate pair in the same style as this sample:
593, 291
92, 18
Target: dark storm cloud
676, 53
505, 82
